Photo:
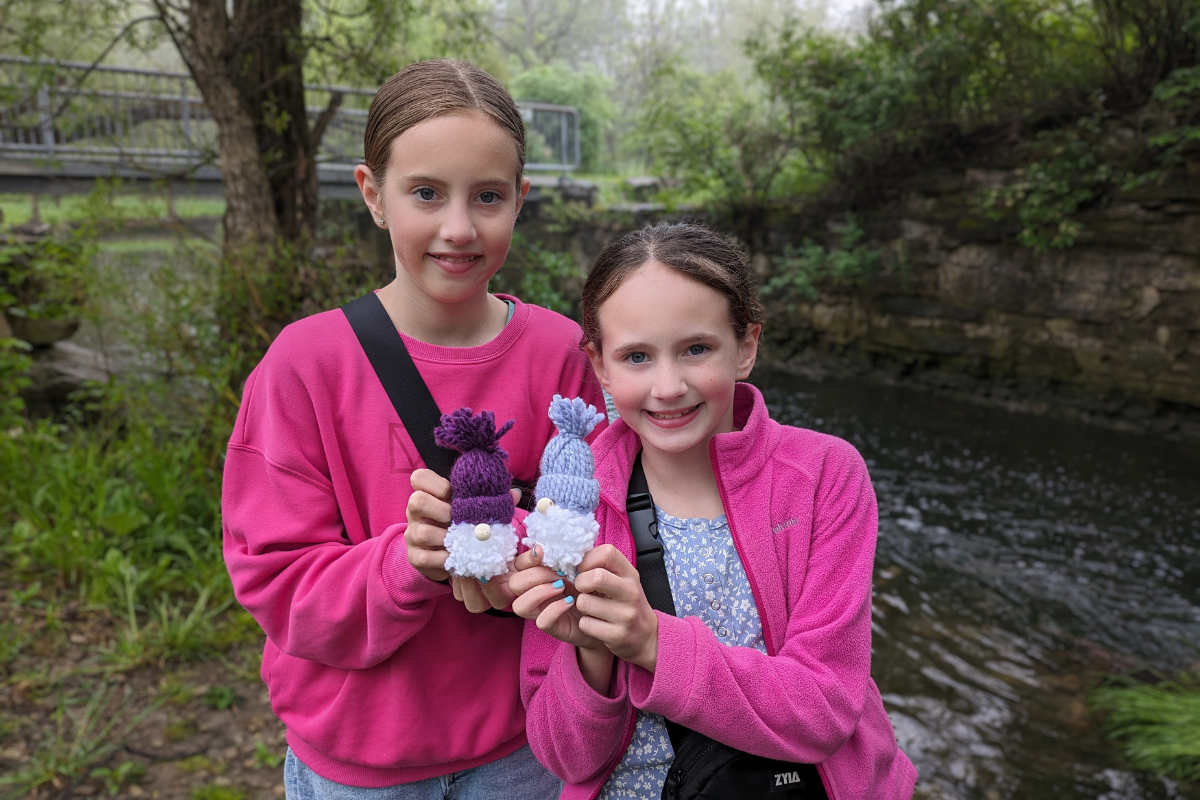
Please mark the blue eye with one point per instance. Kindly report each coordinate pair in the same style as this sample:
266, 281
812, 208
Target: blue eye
489, 197
426, 194
697, 350
637, 358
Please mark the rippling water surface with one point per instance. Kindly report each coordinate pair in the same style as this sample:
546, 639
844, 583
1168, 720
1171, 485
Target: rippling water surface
1019, 559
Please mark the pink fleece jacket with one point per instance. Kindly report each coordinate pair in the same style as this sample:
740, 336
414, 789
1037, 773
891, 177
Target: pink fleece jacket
802, 515
379, 674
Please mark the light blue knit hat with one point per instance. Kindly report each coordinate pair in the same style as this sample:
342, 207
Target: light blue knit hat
568, 469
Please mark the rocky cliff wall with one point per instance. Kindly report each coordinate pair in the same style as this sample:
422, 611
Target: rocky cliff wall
1107, 331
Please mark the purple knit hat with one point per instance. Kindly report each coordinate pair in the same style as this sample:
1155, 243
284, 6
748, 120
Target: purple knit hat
480, 480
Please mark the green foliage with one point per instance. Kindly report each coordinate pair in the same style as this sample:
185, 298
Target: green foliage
46, 278
117, 778
585, 89
725, 146
926, 67
14, 364
219, 697
801, 271
214, 792
1072, 173
538, 275
1179, 95
87, 732
1157, 726
264, 756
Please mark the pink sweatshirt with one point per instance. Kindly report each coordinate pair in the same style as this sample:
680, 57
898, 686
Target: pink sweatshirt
802, 515
379, 674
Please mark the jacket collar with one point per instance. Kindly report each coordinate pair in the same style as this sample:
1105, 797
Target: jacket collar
740, 452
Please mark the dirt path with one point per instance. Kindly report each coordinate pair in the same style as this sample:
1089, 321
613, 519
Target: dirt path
72, 726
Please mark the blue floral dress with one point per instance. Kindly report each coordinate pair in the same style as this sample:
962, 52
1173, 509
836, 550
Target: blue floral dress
707, 581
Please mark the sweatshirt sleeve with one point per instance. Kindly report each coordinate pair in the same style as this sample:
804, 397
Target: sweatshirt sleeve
803, 703
573, 731
288, 550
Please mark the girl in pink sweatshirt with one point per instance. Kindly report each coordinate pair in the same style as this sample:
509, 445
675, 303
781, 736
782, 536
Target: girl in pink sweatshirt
391, 682
768, 539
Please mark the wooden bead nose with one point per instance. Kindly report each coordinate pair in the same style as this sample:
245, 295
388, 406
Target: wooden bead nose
544, 504
483, 531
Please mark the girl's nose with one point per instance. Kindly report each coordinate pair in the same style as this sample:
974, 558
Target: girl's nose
457, 226
668, 383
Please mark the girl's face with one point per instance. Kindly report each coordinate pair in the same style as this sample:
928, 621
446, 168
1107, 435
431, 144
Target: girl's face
449, 202
669, 357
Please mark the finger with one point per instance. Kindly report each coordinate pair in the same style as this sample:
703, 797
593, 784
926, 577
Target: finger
530, 558
456, 588
423, 506
608, 557
531, 604
428, 481
602, 582
430, 563
497, 591
516, 495
525, 580
551, 616
425, 535
472, 596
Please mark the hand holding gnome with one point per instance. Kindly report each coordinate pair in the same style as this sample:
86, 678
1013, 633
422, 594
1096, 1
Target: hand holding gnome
564, 524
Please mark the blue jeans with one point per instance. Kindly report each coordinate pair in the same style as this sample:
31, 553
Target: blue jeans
517, 775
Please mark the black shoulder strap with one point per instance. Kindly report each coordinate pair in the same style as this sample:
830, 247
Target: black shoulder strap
403, 383
639, 506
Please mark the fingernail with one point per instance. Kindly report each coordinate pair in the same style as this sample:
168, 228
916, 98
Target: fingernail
557, 584
483, 580
560, 572
568, 599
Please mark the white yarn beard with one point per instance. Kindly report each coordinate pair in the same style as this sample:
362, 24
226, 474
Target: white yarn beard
565, 537
471, 558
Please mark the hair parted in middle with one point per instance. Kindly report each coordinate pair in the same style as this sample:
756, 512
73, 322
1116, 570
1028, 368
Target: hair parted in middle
431, 89
693, 250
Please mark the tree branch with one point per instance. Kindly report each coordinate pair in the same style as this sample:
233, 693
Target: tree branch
322, 122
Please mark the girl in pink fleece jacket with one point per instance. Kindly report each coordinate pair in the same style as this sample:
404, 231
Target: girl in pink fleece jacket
768, 536
391, 682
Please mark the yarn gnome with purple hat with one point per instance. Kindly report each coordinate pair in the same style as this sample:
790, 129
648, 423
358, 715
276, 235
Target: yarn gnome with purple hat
564, 525
481, 540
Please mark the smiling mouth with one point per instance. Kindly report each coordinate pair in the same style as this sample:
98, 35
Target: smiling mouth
670, 415
467, 259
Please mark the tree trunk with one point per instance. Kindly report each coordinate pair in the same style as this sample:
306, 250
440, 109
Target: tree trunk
250, 71
269, 57
249, 207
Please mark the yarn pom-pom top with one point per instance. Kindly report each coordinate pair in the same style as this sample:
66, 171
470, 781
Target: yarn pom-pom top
481, 541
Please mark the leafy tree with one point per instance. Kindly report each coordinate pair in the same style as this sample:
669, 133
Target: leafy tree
585, 89
250, 59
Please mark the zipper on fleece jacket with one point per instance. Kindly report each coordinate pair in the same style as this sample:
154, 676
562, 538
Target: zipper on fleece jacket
768, 638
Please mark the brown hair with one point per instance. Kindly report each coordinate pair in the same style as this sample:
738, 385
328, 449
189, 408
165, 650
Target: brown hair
431, 89
693, 250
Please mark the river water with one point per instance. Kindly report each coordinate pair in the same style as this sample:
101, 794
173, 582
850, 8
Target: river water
1020, 559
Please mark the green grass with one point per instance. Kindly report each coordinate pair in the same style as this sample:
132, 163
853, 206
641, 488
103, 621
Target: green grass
1156, 726
18, 208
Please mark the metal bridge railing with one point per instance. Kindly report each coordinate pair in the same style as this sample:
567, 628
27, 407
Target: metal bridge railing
56, 112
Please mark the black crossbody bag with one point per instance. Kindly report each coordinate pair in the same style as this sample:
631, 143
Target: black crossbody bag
407, 390
705, 769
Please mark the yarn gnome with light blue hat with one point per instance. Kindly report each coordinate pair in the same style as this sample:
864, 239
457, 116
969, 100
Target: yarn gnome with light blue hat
481, 540
564, 525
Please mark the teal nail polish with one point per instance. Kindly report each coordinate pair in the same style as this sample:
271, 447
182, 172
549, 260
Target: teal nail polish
483, 580
557, 584
560, 573
568, 599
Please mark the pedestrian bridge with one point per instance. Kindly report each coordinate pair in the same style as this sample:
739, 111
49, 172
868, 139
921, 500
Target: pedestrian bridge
65, 124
